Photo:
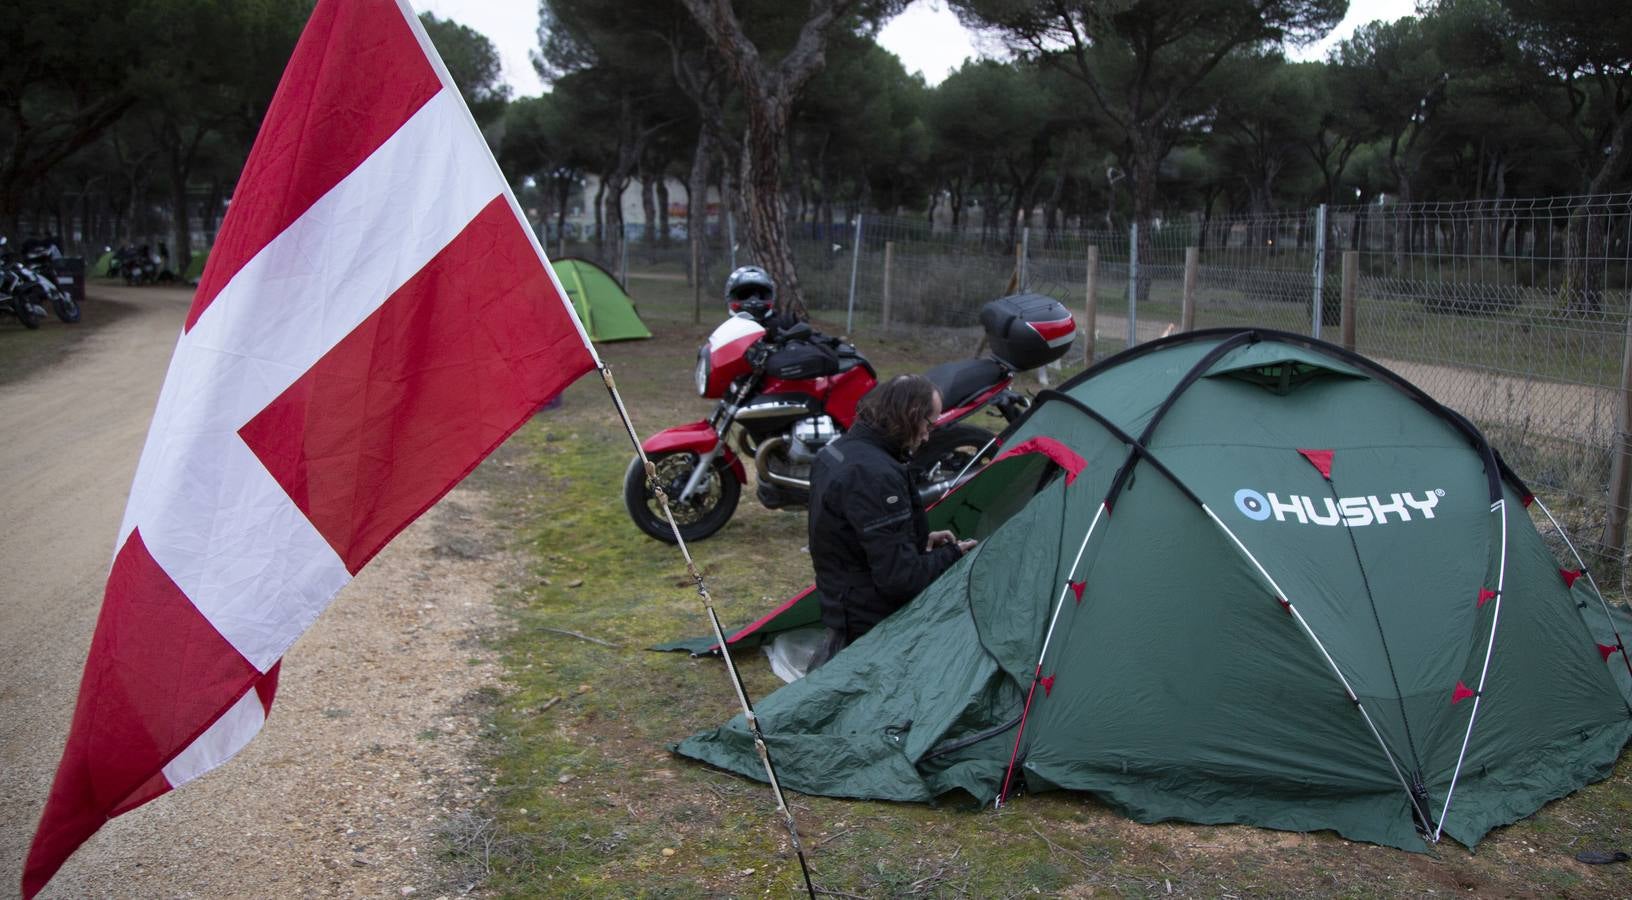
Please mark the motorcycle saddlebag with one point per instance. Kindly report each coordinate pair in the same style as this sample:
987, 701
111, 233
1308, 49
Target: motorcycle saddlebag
801, 360
1028, 330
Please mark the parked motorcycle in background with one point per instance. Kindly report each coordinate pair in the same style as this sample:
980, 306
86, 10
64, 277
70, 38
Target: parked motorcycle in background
28, 285
785, 391
39, 271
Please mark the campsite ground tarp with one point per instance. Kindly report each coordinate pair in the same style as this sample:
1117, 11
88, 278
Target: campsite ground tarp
1226, 645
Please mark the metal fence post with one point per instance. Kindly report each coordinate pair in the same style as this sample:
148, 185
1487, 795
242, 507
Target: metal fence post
1133, 284
855, 263
1620, 464
1187, 307
1090, 330
889, 260
1317, 311
1351, 288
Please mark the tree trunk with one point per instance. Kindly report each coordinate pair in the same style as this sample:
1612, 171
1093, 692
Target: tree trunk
1145, 164
648, 208
766, 208
181, 228
697, 194
600, 216
662, 209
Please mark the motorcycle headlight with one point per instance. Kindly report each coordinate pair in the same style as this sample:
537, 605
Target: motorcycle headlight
703, 371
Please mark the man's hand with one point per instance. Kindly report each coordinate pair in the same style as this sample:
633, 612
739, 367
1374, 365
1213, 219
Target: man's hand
937, 538
966, 546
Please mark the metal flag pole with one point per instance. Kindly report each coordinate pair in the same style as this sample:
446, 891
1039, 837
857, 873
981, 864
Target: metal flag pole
719, 634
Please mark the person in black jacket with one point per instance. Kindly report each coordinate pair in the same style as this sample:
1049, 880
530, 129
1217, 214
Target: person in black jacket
869, 538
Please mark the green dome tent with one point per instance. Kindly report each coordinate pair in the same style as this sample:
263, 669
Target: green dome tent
606, 311
1229, 576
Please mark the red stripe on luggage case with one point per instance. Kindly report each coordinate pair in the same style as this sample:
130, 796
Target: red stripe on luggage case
158, 675
409, 402
363, 60
1054, 329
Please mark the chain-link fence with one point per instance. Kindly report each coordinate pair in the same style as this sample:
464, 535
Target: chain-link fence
1511, 312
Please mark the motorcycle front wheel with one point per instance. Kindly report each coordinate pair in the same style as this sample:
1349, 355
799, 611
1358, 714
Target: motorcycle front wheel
66, 309
24, 310
706, 512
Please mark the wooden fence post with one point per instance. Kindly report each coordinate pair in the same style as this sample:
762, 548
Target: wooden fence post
889, 262
1091, 309
1187, 309
1351, 287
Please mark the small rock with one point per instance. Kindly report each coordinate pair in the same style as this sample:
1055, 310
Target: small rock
583, 688
406, 890
563, 779
576, 582
668, 851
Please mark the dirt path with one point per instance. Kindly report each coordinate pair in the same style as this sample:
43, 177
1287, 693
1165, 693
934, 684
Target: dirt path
1575, 412
366, 756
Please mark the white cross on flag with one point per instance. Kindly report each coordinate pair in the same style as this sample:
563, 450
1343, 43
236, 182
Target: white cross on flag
375, 319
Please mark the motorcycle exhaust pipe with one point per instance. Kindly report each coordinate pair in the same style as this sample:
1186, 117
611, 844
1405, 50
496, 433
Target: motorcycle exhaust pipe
762, 465
930, 493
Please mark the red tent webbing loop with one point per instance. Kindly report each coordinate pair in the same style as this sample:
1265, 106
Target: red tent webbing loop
1321, 460
1485, 596
1570, 576
1461, 693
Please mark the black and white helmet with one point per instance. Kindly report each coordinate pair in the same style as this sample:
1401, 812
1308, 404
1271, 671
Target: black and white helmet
750, 289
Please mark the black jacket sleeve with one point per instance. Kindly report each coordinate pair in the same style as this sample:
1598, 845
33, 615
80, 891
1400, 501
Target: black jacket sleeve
880, 510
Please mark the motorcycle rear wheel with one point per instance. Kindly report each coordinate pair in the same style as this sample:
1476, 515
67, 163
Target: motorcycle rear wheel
705, 513
949, 451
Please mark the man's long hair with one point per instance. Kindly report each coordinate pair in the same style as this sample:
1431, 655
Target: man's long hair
897, 407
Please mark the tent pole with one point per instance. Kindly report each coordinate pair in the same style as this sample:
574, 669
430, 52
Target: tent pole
1499, 508
1354, 698
1619, 642
719, 633
1037, 676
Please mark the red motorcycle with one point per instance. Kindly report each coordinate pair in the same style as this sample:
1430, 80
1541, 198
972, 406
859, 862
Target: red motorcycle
786, 392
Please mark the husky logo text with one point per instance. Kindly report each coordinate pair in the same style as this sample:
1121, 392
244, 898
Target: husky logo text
1351, 511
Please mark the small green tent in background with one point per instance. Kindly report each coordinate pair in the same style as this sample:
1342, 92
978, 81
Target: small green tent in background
1229, 576
195, 266
99, 269
606, 311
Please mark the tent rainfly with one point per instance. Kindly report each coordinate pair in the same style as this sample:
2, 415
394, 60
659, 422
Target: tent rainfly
606, 311
1229, 576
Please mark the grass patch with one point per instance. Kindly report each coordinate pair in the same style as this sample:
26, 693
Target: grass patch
587, 801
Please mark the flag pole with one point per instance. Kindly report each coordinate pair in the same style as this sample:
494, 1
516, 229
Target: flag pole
719, 634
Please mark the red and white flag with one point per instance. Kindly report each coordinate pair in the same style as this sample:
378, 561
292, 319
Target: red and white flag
376, 318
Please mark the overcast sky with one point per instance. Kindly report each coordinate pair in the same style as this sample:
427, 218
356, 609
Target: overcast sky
927, 37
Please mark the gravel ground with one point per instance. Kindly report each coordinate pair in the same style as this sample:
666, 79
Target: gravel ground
365, 765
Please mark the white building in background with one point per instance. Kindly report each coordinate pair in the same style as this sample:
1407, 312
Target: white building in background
580, 218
